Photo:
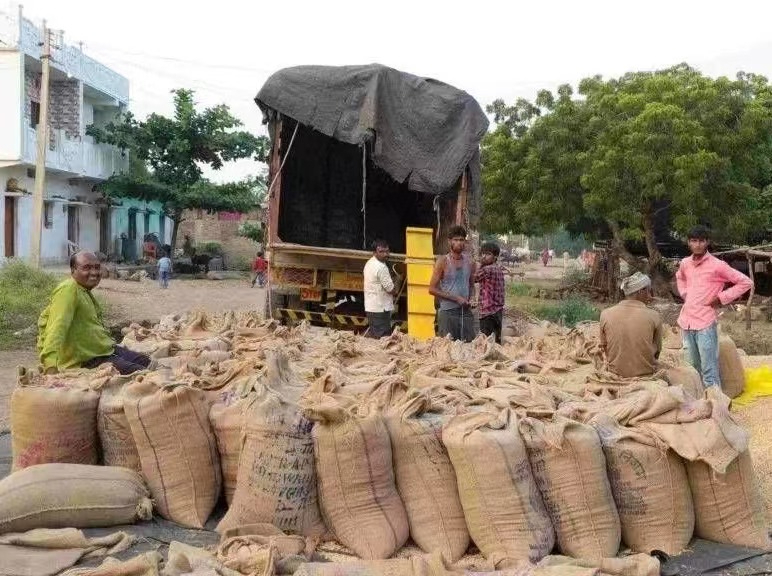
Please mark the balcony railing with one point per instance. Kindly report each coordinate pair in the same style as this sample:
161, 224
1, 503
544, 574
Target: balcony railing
19, 32
99, 161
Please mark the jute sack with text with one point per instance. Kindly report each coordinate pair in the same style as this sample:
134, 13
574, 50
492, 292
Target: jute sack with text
118, 447
570, 470
502, 505
728, 507
651, 491
53, 425
177, 449
426, 480
276, 480
357, 491
730, 367
227, 423
72, 495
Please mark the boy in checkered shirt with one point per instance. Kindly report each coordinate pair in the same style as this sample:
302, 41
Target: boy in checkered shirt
490, 276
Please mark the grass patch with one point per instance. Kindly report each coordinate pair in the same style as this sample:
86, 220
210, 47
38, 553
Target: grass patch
568, 312
24, 293
521, 289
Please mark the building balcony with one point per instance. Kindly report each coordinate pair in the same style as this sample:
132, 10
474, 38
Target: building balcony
76, 157
23, 34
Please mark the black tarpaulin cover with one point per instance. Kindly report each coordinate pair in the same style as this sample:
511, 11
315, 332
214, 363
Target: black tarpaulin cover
421, 131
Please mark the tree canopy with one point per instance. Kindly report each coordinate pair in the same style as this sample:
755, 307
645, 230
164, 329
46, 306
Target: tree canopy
167, 155
621, 154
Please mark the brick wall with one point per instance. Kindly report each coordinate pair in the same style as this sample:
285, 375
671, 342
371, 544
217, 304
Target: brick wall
222, 228
64, 103
65, 107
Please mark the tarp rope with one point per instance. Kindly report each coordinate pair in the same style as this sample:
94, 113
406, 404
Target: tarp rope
364, 195
269, 298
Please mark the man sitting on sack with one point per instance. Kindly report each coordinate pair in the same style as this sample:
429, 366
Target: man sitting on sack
70, 330
630, 332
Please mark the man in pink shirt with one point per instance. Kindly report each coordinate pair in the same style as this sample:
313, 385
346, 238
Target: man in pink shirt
702, 280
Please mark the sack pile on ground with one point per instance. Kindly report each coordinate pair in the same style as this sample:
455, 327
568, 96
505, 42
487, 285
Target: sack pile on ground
519, 449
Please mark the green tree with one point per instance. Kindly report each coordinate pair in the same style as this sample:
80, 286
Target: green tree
168, 154
626, 150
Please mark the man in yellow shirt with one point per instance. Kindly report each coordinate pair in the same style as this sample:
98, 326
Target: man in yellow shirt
630, 332
71, 333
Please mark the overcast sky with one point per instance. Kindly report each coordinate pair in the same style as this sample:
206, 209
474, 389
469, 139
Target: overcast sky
226, 49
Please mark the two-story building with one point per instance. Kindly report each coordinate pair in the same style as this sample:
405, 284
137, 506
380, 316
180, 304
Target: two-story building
82, 92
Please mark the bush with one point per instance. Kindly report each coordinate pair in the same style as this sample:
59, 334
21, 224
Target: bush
24, 293
568, 312
252, 230
575, 275
210, 248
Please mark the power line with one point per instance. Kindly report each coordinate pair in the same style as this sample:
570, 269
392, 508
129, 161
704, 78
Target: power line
181, 60
227, 91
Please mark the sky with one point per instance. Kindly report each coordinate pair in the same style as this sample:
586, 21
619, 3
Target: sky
225, 50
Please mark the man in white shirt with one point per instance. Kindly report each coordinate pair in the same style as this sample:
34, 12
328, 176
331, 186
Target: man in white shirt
379, 291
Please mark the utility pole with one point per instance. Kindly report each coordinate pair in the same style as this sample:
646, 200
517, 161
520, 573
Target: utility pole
40, 164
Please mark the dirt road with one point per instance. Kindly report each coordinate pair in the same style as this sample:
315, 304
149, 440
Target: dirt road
137, 301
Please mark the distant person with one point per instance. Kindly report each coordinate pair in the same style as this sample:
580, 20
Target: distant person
71, 333
545, 257
701, 280
379, 291
259, 267
164, 270
453, 284
630, 332
490, 276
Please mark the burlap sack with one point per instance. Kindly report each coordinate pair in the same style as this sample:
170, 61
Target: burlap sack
147, 564
728, 507
118, 447
177, 449
53, 425
72, 495
276, 481
414, 566
502, 505
730, 367
687, 378
227, 424
426, 480
651, 491
570, 470
357, 491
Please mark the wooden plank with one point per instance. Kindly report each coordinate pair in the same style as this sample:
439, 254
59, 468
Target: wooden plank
274, 177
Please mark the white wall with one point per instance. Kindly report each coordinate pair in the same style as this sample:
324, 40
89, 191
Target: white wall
11, 100
53, 249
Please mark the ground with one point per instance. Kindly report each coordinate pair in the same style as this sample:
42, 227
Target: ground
137, 301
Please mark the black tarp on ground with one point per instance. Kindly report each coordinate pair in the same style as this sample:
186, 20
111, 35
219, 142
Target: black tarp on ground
422, 132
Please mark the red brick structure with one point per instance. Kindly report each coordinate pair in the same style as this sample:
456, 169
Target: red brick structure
223, 228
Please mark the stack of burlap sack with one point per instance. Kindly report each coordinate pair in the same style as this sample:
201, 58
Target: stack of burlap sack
521, 450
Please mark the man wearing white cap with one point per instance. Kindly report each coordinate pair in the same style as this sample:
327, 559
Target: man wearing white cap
631, 333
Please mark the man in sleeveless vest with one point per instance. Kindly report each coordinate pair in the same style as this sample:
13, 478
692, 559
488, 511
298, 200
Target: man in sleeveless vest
453, 285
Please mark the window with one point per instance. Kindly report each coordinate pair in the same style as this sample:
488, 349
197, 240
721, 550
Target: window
48, 214
34, 114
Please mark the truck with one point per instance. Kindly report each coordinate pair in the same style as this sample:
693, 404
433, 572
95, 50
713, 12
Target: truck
360, 153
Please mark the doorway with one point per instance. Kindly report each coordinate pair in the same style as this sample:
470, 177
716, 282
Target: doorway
73, 224
10, 227
104, 231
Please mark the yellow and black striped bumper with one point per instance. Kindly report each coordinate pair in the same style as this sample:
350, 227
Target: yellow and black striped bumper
343, 320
